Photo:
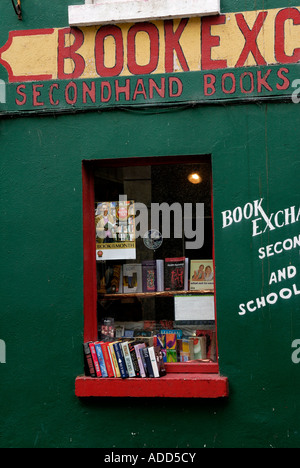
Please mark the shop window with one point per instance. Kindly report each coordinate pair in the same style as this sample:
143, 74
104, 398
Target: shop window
149, 278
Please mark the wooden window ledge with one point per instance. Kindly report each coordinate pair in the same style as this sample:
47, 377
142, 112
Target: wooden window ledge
173, 385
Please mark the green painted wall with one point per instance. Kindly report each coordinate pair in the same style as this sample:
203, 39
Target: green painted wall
255, 152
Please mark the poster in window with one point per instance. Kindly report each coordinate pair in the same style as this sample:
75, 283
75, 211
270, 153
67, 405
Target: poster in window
115, 230
202, 275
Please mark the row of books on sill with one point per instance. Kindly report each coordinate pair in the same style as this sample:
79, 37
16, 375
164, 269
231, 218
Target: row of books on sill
145, 356
170, 274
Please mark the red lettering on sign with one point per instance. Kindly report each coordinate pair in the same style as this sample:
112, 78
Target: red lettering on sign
233, 83
281, 18
52, 87
262, 81
209, 41
36, 94
153, 34
285, 81
209, 85
20, 92
160, 91
178, 84
68, 93
105, 89
251, 38
122, 90
172, 44
70, 52
139, 89
102, 34
91, 92
243, 76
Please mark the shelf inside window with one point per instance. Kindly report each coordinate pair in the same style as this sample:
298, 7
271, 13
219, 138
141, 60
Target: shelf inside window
117, 296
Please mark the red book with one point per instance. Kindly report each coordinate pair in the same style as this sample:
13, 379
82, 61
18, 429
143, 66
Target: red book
95, 359
107, 359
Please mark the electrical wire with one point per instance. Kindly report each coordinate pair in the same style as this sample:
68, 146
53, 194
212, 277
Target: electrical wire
17, 8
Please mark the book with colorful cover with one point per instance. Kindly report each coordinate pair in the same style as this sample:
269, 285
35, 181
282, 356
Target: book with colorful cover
88, 361
201, 275
174, 274
149, 273
109, 278
95, 359
145, 352
101, 359
153, 361
134, 358
107, 359
138, 349
114, 359
132, 278
127, 359
115, 230
120, 360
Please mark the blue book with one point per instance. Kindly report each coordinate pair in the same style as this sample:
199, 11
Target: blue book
121, 360
146, 354
101, 360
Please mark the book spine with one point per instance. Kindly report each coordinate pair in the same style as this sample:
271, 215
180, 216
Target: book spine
160, 275
134, 360
90, 368
101, 360
138, 350
153, 361
107, 359
95, 359
145, 352
128, 360
120, 360
114, 361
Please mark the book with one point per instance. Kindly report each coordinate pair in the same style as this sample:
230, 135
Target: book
198, 347
107, 359
210, 343
145, 352
127, 359
101, 359
120, 359
108, 278
149, 273
88, 361
183, 348
134, 359
160, 275
201, 275
132, 278
137, 349
114, 359
152, 356
160, 361
115, 230
174, 274
95, 359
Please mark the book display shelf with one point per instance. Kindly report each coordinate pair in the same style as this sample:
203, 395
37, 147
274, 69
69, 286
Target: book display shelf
149, 298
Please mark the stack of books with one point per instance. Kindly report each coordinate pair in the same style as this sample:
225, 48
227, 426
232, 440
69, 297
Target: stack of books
139, 358
170, 274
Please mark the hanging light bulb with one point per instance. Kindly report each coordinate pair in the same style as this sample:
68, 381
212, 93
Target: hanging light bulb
195, 178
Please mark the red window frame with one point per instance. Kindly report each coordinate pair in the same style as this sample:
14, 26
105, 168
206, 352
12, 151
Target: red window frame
188, 380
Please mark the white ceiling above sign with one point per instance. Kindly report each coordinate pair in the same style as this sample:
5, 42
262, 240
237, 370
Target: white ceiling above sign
123, 11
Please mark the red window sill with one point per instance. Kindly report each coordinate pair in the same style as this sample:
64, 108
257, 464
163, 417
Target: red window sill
173, 385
